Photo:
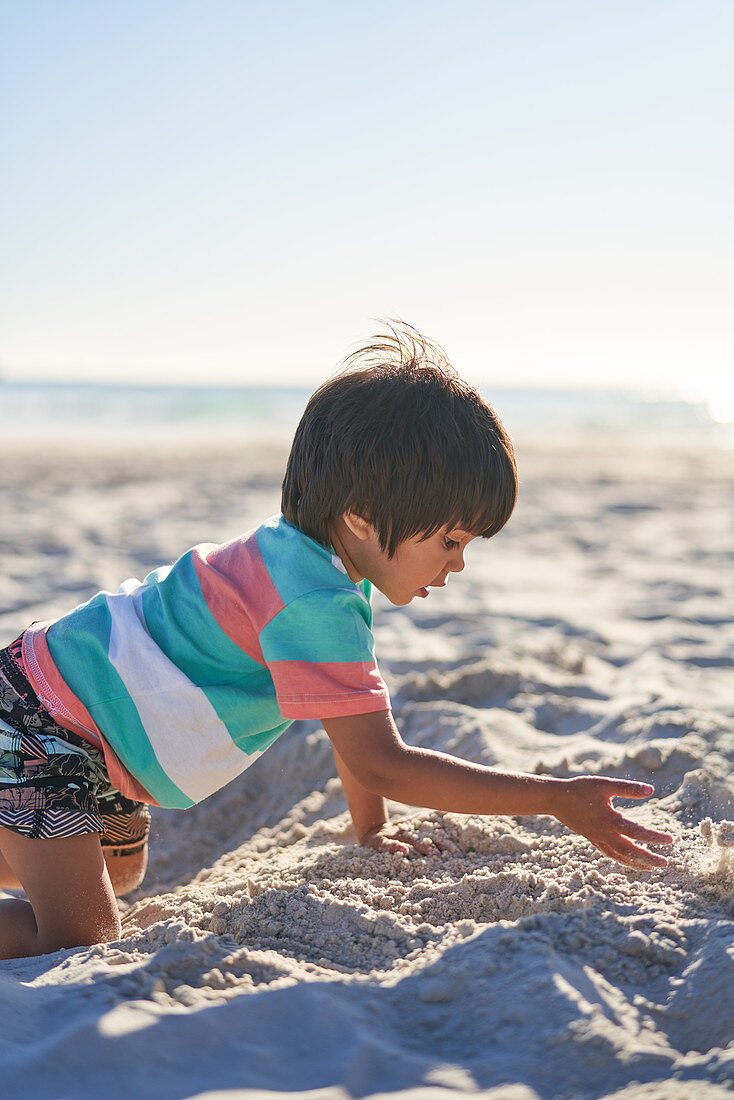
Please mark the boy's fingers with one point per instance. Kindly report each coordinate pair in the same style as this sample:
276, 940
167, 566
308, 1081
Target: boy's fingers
430, 846
629, 788
625, 851
395, 846
408, 844
445, 845
644, 862
642, 832
425, 847
643, 859
381, 843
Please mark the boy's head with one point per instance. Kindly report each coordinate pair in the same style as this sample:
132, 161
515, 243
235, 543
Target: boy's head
399, 438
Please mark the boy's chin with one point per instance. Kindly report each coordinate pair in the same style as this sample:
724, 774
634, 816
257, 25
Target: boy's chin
394, 599
403, 601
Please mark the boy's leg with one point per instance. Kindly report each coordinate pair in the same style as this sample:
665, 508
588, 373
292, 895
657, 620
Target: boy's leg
71, 902
8, 880
126, 871
124, 841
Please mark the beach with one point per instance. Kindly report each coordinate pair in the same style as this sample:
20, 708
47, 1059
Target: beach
266, 953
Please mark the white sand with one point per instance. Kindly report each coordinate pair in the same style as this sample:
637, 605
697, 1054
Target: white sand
266, 952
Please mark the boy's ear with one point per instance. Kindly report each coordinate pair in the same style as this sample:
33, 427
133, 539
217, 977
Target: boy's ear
358, 525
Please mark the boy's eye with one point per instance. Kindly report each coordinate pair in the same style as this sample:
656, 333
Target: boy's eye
450, 544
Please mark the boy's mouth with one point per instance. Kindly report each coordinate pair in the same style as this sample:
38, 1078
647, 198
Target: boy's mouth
423, 592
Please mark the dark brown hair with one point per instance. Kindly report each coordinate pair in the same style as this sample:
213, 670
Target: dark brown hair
399, 438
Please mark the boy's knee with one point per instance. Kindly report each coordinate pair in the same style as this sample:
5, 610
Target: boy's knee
103, 930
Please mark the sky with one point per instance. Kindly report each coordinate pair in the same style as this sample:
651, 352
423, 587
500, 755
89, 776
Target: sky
230, 191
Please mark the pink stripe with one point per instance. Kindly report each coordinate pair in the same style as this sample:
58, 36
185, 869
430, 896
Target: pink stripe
70, 712
60, 701
239, 591
121, 778
330, 690
350, 704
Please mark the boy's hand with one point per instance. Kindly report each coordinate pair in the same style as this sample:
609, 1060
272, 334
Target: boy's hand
585, 805
375, 763
390, 838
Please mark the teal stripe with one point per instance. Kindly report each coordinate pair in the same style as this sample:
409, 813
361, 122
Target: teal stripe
321, 627
282, 547
250, 712
239, 689
79, 644
179, 621
366, 587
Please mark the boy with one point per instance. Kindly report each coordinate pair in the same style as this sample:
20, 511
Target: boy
163, 692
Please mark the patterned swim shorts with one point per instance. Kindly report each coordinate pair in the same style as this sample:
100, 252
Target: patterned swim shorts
52, 782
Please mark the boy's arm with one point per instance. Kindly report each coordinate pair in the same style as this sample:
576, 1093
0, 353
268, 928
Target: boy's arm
370, 817
371, 749
368, 810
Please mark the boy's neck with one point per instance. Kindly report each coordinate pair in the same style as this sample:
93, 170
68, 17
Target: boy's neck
341, 537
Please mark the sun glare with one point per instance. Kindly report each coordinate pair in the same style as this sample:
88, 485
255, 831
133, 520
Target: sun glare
717, 393
721, 402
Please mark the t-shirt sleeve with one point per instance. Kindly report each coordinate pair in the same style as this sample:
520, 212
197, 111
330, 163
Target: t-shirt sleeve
320, 653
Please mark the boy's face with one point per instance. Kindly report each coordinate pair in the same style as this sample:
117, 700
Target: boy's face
417, 565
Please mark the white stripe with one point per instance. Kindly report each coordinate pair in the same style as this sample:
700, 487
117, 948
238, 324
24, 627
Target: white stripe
189, 739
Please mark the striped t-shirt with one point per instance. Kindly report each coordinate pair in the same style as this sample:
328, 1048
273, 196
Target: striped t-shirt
184, 679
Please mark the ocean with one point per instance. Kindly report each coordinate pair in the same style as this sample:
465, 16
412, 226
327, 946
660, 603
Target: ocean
92, 411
